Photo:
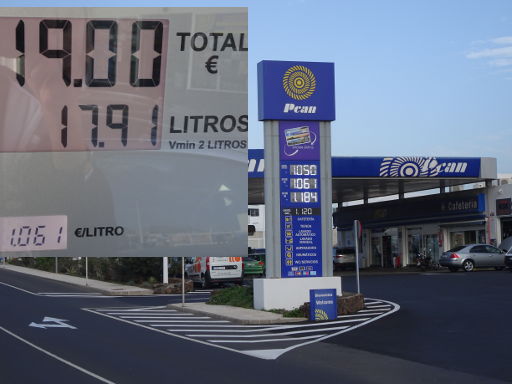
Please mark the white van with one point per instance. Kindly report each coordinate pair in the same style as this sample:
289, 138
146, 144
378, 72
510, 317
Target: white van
210, 270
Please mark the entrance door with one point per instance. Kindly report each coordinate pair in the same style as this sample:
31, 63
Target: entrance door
415, 246
387, 252
376, 251
431, 247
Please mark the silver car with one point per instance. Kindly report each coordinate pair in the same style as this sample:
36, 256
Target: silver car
467, 257
344, 257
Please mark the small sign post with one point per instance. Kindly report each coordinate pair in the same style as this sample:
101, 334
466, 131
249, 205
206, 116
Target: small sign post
323, 304
357, 230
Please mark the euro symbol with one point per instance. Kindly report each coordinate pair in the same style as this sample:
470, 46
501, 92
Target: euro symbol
211, 64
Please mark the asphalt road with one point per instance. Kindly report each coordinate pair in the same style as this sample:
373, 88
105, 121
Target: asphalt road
458, 321
444, 319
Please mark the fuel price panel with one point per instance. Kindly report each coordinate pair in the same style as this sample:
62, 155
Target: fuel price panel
300, 184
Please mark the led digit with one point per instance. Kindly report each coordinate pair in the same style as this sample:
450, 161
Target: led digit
20, 47
92, 26
123, 126
94, 120
157, 47
65, 52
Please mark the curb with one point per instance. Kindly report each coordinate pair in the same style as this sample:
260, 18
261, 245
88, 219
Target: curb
109, 289
250, 315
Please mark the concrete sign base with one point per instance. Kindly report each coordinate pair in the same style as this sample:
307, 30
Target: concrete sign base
290, 293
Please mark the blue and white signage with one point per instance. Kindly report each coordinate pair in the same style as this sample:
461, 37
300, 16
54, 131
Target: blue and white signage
301, 225
406, 167
323, 304
289, 90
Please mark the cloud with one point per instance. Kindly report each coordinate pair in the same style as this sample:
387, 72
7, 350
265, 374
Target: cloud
502, 40
501, 62
498, 52
493, 52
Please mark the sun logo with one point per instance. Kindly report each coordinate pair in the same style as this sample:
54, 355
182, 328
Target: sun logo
299, 82
321, 315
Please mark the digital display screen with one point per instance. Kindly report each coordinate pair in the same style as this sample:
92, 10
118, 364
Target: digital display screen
304, 197
303, 183
303, 170
123, 119
77, 84
33, 233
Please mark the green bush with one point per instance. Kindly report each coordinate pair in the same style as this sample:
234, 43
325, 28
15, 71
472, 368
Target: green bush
235, 296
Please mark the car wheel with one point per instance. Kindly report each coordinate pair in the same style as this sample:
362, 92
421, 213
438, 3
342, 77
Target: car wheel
206, 282
468, 265
499, 268
453, 269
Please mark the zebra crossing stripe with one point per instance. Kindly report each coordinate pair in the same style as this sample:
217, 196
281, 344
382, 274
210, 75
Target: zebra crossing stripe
266, 340
163, 318
238, 338
280, 333
264, 328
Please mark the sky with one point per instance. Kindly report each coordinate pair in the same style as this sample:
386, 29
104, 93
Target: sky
413, 78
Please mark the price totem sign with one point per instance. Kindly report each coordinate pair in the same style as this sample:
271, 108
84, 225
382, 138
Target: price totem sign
301, 226
296, 100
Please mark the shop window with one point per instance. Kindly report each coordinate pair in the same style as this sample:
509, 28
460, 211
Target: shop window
470, 237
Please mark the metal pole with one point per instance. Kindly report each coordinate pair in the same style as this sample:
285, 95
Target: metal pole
182, 281
56, 265
166, 270
356, 242
86, 271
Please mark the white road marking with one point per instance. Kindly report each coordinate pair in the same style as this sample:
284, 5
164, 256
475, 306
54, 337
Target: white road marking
57, 357
279, 327
19, 289
70, 293
210, 326
164, 318
277, 334
137, 309
354, 315
267, 340
57, 323
372, 311
266, 328
245, 334
148, 312
161, 319
183, 321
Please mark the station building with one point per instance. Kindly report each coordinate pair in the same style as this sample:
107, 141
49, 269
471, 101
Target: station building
406, 205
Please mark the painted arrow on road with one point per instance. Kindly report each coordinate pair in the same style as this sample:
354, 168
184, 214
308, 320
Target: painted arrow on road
59, 323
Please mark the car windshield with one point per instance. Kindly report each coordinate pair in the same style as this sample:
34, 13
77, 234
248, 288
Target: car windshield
506, 244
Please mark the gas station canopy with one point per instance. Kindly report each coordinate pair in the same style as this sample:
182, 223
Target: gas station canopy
361, 178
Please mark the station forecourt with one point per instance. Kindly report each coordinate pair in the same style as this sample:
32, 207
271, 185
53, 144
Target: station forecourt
406, 205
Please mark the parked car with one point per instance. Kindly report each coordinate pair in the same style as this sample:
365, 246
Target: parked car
344, 257
469, 256
210, 270
254, 265
506, 246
